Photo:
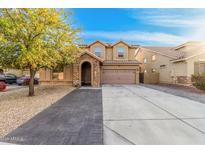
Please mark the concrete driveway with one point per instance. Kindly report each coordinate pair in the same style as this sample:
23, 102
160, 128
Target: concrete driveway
139, 115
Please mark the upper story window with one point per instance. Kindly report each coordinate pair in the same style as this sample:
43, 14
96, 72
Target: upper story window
153, 57
98, 51
120, 52
145, 60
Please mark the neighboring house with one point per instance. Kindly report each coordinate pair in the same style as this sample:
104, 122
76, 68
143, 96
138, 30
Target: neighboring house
192, 61
18, 72
121, 63
157, 64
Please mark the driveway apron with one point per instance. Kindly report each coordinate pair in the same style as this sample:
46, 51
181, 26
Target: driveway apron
139, 115
74, 119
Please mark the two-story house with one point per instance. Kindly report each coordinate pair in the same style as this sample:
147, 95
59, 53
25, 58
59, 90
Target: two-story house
98, 63
120, 63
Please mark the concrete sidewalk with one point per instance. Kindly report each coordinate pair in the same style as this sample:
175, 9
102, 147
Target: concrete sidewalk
139, 115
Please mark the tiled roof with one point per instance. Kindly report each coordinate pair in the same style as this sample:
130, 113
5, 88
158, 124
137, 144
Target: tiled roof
121, 62
168, 51
109, 44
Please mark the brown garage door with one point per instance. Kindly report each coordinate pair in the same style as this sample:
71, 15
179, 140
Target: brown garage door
118, 76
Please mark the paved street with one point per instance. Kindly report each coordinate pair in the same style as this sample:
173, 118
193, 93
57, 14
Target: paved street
139, 115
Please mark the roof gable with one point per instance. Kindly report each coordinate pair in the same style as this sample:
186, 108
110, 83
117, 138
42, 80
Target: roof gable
120, 42
189, 57
165, 51
92, 55
97, 42
190, 43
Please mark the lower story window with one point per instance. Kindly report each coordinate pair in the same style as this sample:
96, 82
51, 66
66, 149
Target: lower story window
58, 73
153, 70
202, 68
162, 66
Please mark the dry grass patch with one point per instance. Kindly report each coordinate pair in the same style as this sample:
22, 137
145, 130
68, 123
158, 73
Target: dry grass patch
16, 107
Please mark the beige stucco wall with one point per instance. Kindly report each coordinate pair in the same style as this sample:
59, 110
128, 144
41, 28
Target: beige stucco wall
191, 61
97, 44
115, 56
46, 76
164, 74
132, 53
194, 52
109, 52
20, 73
179, 69
16, 72
151, 78
186, 68
191, 49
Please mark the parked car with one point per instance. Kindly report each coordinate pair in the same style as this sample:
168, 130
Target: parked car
2, 85
24, 80
2, 82
2, 78
10, 78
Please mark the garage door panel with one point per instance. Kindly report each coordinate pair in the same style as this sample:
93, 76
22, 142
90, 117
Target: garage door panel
118, 76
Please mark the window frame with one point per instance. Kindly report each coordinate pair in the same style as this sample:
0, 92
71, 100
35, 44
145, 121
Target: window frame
145, 60
153, 70
58, 72
202, 68
163, 66
101, 51
153, 57
119, 55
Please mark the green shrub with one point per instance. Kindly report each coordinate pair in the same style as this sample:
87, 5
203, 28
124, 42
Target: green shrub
198, 81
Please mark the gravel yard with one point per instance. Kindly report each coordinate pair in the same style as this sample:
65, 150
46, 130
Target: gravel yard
178, 90
16, 107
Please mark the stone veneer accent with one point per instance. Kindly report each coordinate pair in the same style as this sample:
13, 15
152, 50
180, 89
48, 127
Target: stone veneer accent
95, 70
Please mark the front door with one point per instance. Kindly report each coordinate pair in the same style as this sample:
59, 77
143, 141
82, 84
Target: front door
86, 74
141, 77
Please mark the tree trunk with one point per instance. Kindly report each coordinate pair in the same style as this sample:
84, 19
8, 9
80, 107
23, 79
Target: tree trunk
31, 82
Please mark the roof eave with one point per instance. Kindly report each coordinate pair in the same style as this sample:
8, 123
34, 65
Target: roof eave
159, 53
92, 55
121, 42
127, 64
96, 42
